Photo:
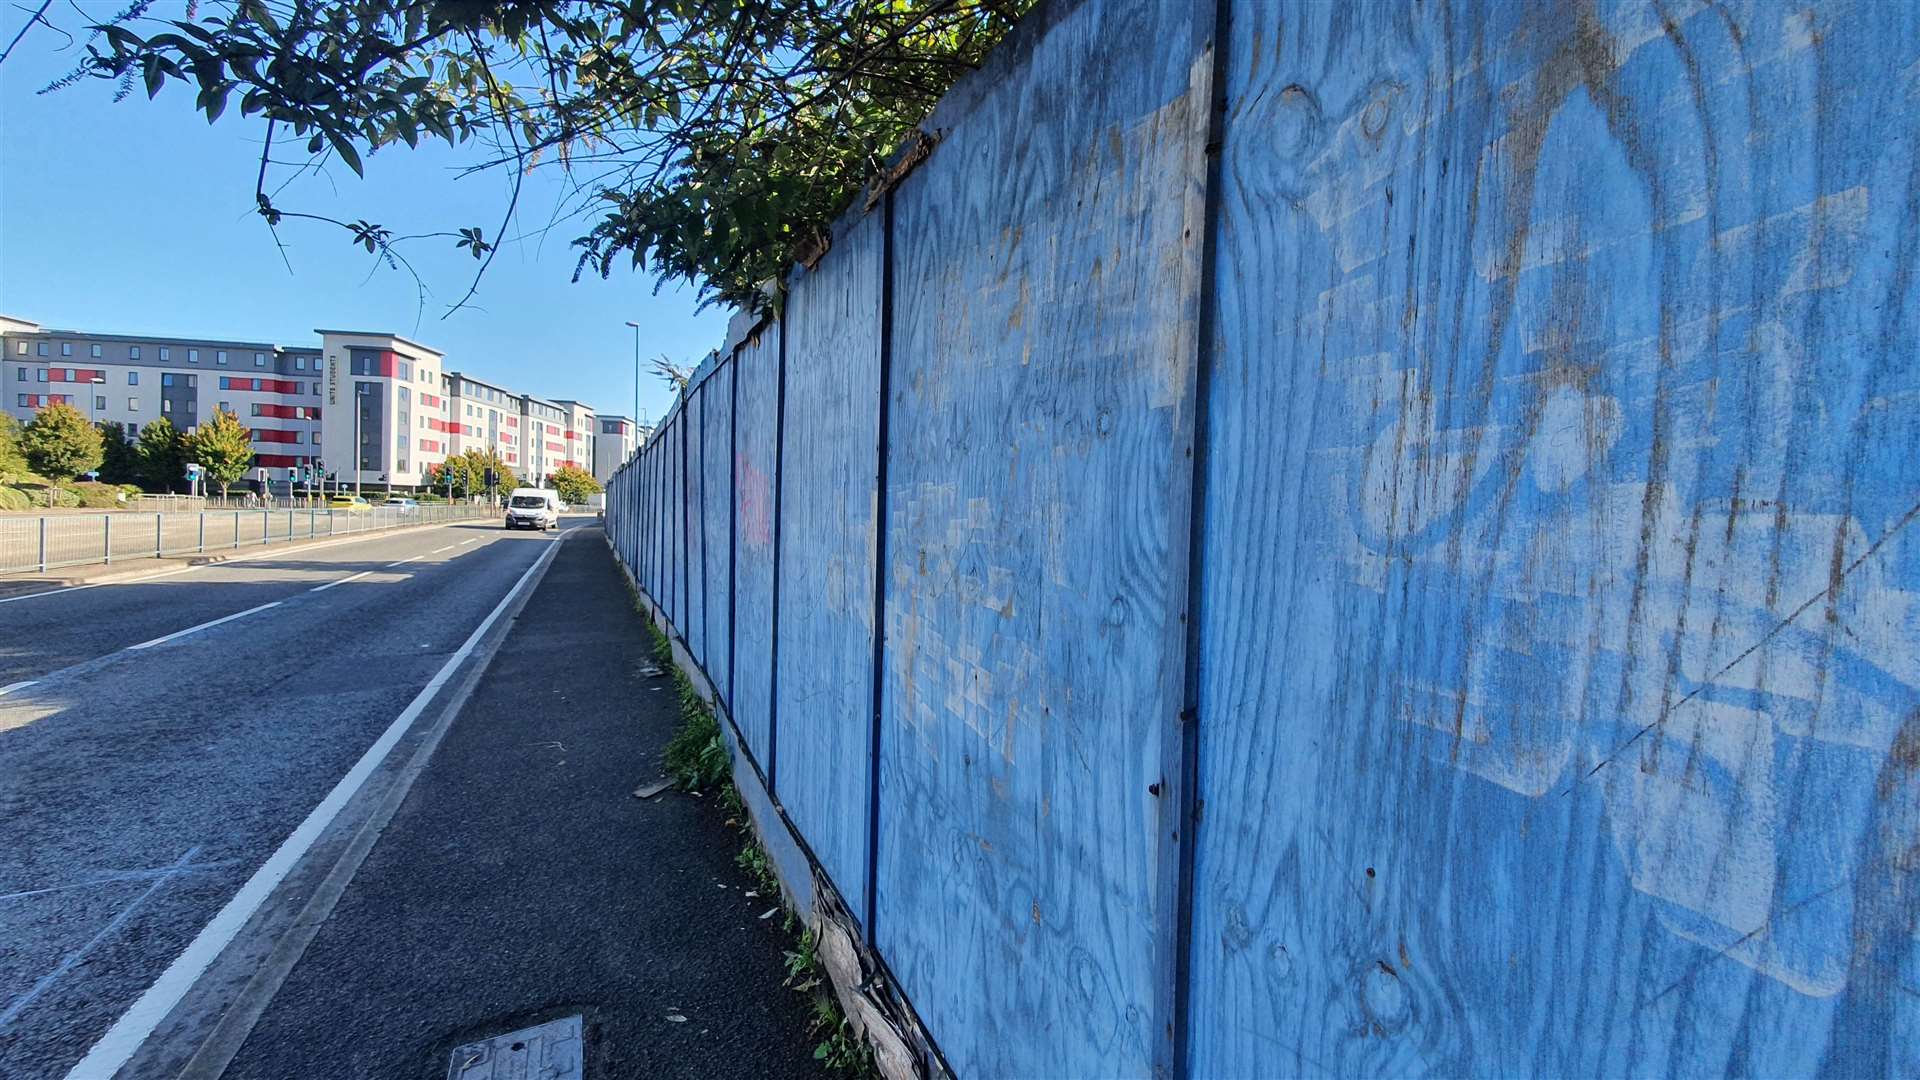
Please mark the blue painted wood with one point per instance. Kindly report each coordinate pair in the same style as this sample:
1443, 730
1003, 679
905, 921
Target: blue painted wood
717, 519
1041, 364
694, 618
757, 367
1561, 712
677, 526
827, 477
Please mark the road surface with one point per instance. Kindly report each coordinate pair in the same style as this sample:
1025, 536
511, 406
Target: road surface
338, 811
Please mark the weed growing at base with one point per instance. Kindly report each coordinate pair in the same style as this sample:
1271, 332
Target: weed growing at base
697, 760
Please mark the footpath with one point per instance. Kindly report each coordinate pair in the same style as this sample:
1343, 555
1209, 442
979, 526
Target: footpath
522, 883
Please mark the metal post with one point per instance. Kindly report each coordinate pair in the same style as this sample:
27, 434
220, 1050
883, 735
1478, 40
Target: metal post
201, 546
159, 534
43, 545
106, 538
236, 530
266, 526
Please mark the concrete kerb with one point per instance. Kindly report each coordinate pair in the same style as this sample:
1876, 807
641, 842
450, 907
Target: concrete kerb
174, 564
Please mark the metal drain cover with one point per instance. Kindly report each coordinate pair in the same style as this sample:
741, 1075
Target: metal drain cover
549, 1051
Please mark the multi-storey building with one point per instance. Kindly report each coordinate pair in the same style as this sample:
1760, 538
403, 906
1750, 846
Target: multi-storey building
382, 394
615, 443
369, 408
579, 435
545, 423
484, 416
134, 380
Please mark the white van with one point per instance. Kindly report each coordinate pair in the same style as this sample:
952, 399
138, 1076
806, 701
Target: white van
533, 508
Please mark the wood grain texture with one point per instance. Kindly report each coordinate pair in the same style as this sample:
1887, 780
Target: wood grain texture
1036, 576
828, 494
694, 621
1560, 710
717, 518
757, 367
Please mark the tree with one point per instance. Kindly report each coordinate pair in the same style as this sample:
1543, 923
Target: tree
119, 461
469, 470
574, 484
59, 444
162, 454
13, 464
224, 448
719, 138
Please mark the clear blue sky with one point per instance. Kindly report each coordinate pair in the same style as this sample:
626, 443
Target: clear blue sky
136, 217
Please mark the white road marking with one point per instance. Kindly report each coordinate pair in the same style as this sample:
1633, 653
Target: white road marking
125, 1037
177, 634
20, 1003
464, 543
404, 562
342, 581
266, 553
437, 551
21, 685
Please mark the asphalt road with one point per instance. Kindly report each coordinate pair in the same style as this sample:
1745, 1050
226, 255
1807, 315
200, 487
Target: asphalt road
158, 761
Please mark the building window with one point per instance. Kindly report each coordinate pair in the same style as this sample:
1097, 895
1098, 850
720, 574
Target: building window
166, 354
300, 363
193, 380
133, 352
99, 402
66, 348
40, 375
133, 378
220, 356
133, 404
20, 349
21, 374
259, 359
166, 405
193, 356
256, 408
41, 350
96, 352
226, 406
133, 431
316, 389
23, 401
166, 378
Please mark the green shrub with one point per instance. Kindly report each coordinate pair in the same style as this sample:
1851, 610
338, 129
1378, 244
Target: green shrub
12, 498
697, 755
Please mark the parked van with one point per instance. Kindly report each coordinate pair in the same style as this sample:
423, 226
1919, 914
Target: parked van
533, 508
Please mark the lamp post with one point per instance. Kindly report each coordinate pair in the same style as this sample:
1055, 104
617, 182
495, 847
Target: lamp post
93, 399
636, 370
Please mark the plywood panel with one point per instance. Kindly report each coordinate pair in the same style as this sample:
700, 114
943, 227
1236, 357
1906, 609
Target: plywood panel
757, 367
695, 618
1560, 699
828, 475
717, 521
1036, 548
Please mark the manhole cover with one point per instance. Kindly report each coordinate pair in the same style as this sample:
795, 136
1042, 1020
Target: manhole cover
549, 1051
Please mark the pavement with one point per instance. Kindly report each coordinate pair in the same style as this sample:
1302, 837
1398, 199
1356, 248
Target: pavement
335, 813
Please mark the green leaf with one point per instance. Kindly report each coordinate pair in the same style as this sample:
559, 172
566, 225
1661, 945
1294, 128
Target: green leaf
344, 147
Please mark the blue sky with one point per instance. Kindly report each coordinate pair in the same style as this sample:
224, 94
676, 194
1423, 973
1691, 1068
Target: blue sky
136, 217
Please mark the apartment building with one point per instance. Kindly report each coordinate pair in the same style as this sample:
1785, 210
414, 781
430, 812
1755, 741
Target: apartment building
134, 380
579, 434
614, 443
382, 394
365, 406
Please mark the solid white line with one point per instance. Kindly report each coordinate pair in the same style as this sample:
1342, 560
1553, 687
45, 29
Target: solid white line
21, 685
128, 1033
404, 562
196, 629
342, 581
270, 551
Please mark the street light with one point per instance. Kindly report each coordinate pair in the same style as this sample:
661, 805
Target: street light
93, 399
636, 371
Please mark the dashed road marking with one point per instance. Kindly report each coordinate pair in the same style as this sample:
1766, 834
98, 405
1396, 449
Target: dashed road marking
177, 634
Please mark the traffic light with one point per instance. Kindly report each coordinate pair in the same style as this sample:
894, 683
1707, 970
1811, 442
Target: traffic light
293, 474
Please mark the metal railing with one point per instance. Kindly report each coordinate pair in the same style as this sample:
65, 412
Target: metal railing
38, 543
